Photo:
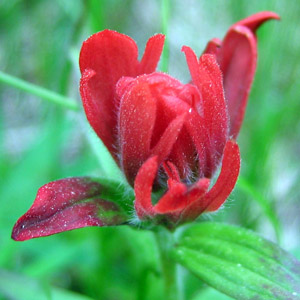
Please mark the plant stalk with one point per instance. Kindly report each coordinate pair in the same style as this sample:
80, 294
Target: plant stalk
165, 242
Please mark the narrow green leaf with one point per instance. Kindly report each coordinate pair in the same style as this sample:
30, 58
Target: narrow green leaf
13, 286
38, 91
238, 262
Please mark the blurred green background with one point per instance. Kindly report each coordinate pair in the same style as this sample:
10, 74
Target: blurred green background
41, 142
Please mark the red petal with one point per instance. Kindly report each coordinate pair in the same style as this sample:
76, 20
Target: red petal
164, 146
207, 76
225, 183
137, 118
238, 62
97, 111
152, 54
172, 200
143, 187
227, 179
110, 55
65, 205
237, 59
179, 197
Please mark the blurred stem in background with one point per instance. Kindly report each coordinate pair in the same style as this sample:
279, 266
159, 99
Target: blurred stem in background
39, 91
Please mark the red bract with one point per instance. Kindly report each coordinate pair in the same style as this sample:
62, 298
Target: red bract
164, 135
67, 204
237, 57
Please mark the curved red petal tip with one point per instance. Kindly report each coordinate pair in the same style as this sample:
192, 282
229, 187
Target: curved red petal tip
143, 187
213, 47
226, 181
64, 205
194, 204
254, 21
193, 64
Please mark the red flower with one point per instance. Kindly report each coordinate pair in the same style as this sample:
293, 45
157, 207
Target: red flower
157, 129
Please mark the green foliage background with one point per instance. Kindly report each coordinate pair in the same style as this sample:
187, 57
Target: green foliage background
41, 142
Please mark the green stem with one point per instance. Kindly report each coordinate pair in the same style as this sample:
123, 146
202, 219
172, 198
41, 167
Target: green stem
165, 241
165, 11
39, 91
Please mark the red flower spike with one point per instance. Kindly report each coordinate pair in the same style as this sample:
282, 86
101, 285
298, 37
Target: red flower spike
237, 56
151, 122
66, 204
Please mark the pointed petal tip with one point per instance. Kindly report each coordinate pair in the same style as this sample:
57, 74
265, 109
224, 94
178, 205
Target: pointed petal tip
152, 53
187, 50
267, 15
227, 179
159, 36
254, 21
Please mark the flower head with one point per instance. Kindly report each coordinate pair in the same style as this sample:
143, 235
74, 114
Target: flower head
165, 136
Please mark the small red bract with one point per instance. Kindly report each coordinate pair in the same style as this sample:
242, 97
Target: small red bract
163, 134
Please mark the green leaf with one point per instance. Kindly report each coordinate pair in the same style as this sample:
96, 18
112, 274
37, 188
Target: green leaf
210, 293
238, 262
13, 286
